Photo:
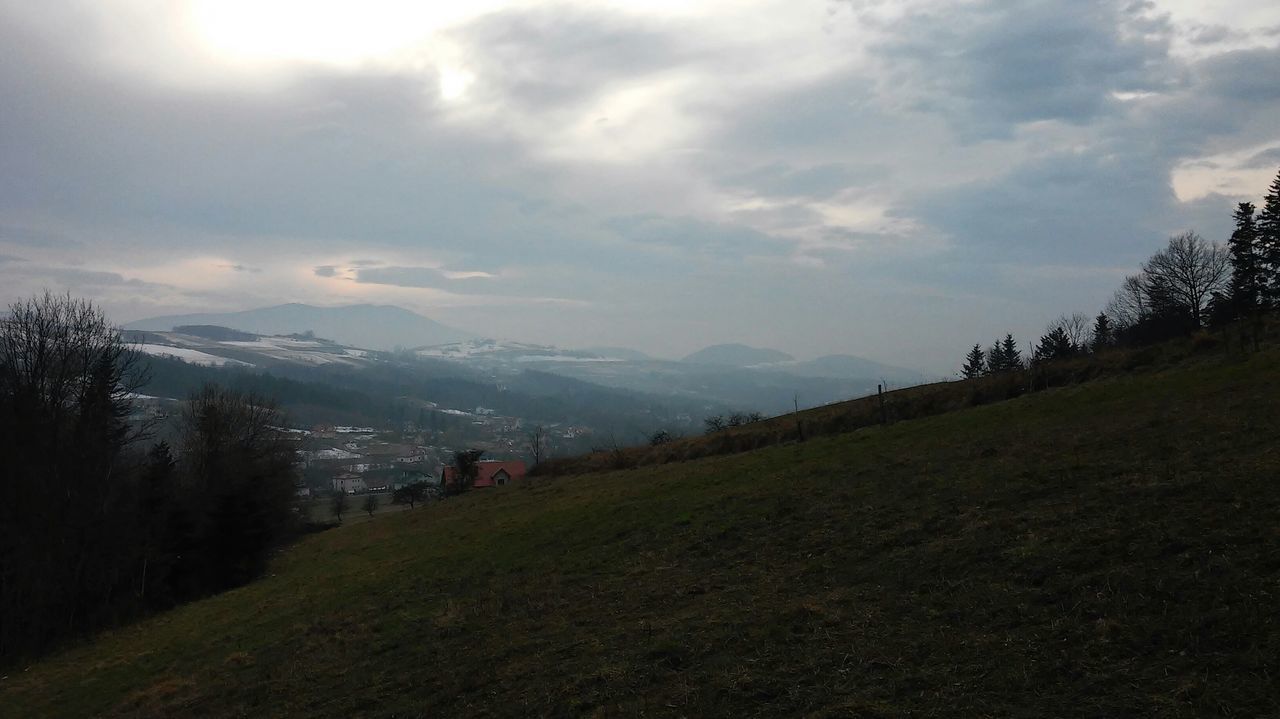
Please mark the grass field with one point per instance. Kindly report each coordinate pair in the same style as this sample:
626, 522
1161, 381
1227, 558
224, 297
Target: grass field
1105, 549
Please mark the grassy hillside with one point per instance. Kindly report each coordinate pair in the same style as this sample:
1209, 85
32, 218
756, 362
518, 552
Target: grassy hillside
1105, 549
921, 401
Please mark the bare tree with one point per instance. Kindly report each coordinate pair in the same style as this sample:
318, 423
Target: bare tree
66, 378
1187, 272
1076, 328
370, 504
338, 504
1129, 306
537, 441
236, 463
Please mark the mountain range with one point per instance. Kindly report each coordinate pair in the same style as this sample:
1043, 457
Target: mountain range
375, 327
726, 375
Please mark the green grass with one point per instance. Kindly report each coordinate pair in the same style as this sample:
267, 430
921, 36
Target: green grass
1105, 549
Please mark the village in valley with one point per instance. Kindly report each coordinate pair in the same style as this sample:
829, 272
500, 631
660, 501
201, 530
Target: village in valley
368, 460
336, 459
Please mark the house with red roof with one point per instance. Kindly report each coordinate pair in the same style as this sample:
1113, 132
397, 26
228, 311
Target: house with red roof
489, 473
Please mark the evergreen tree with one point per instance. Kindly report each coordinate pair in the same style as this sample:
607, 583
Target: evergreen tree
975, 363
1010, 357
1055, 345
1243, 246
1004, 356
994, 363
1268, 245
1103, 336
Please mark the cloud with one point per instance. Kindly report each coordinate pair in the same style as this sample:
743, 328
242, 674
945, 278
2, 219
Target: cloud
681, 172
428, 277
780, 179
1267, 159
1214, 34
1244, 76
694, 236
30, 236
992, 65
80, 279
541, 59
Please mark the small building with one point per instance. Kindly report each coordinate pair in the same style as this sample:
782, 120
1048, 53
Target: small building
489, 473
349, 483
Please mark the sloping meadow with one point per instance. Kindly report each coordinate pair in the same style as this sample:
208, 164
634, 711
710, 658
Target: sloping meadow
1099, 549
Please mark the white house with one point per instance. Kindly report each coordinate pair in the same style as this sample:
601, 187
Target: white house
349, 483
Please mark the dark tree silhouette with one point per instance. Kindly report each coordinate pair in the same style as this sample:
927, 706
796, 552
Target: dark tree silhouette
1103, 336
1129, 306
94, 528
237, 465
466, 467
975, 363
1268, 247
410, 494
338, 504
1055, 345
370, 504
537, 441
68, 539
1184, 275
660, 437
1003, 356
1246, 279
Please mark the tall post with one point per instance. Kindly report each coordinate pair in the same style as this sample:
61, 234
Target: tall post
795, 401
884, 418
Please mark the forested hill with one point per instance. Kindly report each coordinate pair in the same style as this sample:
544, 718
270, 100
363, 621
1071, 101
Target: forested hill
1100, 549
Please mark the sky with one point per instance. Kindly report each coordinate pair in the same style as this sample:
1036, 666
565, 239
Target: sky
893, 179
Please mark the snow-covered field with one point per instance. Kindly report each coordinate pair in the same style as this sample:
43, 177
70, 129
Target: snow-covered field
297, 350
188, 355
503, 351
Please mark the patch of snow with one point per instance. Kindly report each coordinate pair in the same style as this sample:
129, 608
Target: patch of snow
334, 453
563, 358
188, 355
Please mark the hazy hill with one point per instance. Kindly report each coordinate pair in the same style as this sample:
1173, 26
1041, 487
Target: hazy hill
1104, 549
737, 355
379, 327
851, 367
621, 353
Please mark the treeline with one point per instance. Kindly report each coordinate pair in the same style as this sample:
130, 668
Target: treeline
1189, 285
97, 525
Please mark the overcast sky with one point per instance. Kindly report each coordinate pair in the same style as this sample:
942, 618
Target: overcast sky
895, 179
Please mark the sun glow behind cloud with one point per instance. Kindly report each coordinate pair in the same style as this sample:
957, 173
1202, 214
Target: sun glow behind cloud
826, 138
332, 32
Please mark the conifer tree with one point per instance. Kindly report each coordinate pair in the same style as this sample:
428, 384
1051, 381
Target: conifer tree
1055, 345
1010, 357
1243, 246
975, 363
1102, 333
1268, 245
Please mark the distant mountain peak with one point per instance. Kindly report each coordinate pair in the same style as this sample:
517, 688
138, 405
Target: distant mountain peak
737, 355
379, 327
